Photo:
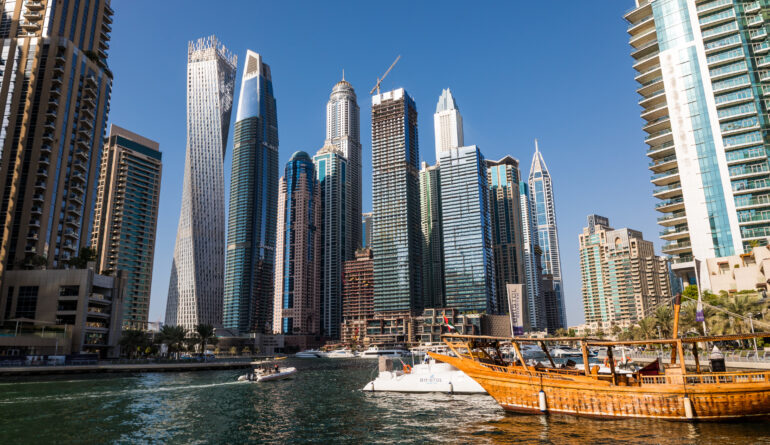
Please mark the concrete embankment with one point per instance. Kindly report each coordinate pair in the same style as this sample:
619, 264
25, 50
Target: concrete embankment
124, 367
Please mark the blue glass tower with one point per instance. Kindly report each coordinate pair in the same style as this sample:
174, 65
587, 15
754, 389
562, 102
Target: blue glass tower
253, 204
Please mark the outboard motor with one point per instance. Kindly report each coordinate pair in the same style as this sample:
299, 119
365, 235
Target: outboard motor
717, 360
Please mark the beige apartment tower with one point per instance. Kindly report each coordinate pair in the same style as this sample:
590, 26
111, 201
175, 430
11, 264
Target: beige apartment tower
126, 217
623, 279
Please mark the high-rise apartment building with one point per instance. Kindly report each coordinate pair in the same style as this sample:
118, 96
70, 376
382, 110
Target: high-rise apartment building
396, 238
432, 236
544, 216
343, 130
251, 226
357, 296
703, 80
469, 270
503, 177
297, 303
623, 279
366, 229
533, 271
126, 217
54, 99
331, 173
447, 124
195, 290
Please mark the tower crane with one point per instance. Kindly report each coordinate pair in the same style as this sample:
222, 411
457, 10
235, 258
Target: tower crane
379, 80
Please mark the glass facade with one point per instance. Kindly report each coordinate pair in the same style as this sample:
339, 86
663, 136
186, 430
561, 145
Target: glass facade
251, 229
469, 271
432, 235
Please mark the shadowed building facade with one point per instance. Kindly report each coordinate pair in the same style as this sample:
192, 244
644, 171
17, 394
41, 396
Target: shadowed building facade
297, 303
251, 226
432, 236
126, 218
195, 291
54, 98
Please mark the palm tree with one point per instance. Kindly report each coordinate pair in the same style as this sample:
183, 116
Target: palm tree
688, 317
740, 305
131, 340
647, 327
664, 318
173, 335
205, 335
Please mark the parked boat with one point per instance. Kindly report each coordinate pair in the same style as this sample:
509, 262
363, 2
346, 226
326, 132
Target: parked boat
655, 391
565, 351
310, 353
430, 376
267, 374
375, 352
338, 353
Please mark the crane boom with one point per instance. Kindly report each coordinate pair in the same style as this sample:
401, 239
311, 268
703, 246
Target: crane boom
379, 80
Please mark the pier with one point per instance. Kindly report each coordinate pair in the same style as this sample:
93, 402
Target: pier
124, 367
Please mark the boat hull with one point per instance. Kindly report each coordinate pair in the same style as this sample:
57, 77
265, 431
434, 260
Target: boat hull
658, 397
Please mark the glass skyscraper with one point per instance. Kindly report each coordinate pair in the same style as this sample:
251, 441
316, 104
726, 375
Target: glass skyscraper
331, 172
532, 266
126, 217
195, 289
503, 177
54, 96
432, 236
544, 216
704, 78
469, 271
396, 238
251, 226
297, 305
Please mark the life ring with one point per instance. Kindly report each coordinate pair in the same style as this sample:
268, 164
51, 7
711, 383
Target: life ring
607, 362
407, 369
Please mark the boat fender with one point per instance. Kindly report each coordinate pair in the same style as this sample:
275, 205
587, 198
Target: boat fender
541, 400
688, 408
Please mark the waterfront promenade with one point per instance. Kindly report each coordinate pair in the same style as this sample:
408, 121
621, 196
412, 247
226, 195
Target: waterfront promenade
129, 366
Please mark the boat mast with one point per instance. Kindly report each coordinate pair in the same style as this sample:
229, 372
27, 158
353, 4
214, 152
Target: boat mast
675, 331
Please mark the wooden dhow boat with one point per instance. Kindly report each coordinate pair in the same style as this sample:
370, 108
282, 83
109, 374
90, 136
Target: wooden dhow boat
670, 391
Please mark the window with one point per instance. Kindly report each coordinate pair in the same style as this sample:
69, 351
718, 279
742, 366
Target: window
69, 291
26, 304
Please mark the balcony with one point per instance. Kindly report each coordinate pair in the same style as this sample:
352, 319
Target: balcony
746, 202
752, 7
649, 74
659, 137
658, 124
42, 172
646, 88
35, 5
40, 185
666, 177
755, 20
763, 61
45, 149
667, 191
74, 210
747, 186
647, 62
761, 48
755, 34
755, 233
675, 233
745, 171
742, 156
673, 219
653, 99
76, 198
38, 197
34, 223
643, 42
676, 248
635, 27
753, 218
713, 6
80, 165
32, 16
33, 236
68, 245
661, 150
655, 113
670, 205
72, 221
716, 19
661, 164
70, 233
30, 26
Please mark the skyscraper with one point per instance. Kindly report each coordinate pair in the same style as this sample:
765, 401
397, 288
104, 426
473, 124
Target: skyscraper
251, 226
343, 130
503, 177
533, 271
195, 289
544, 215
396, 242
469, 270
702, 79
432, 236
126, 217
447, 124
366, 229
331, 173
623, 279
54, 98
297, 305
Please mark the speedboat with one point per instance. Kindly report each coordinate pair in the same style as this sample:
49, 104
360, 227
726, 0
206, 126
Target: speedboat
375, 352
339, 353
430, 376
310, 353
267, 374
565, 351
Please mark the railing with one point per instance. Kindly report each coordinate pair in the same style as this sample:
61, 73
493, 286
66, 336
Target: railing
669, 202
673, 171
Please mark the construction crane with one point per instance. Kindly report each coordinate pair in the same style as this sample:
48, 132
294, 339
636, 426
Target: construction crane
379, 80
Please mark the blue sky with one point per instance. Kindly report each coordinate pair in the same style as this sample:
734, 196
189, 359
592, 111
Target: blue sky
518, 70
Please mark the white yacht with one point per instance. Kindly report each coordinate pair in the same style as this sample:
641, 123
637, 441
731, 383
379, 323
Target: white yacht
338, 353
430, 376
310, 353
267, 374
565, 351
375, 352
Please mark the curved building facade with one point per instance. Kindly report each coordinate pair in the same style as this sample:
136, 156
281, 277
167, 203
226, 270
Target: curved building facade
197, 272
250, 258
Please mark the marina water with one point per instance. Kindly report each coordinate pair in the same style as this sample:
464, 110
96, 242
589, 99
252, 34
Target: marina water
323, 403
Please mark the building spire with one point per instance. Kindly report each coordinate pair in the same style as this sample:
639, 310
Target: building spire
343, 74
536, 148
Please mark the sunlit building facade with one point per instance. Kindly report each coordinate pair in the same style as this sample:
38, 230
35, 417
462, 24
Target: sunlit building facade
196, 286
447, 124
432, 236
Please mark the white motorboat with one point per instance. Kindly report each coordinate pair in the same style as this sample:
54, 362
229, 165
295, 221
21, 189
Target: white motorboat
431, 376
264, 375
565, 351
338, 353
310, 353
375, 352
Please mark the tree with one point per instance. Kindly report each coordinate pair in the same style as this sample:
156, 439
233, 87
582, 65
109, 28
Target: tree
174, 336
205, 335
32, 261
84, 256
131, 341
664, 319
647, 328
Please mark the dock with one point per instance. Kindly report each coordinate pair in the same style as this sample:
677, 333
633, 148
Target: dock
124, 367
